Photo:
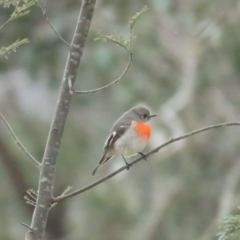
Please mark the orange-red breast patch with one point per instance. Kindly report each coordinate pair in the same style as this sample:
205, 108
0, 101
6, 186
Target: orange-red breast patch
142, 129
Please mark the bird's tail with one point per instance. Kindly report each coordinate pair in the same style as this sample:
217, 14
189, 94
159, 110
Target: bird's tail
105, 158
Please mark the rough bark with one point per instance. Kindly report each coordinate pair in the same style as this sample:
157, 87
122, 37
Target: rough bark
48, 164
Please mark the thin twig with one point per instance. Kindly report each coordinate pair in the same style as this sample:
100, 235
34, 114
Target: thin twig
31, 203
119, 44
4, 23
46, 5
124, 72
58, 199
32, 194
25, 225
113, 82
44, 13
17, 141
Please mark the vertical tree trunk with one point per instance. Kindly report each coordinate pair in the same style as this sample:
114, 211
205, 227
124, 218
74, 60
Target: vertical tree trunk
48, 164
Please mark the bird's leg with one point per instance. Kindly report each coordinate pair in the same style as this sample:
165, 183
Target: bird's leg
143, 155
128, 165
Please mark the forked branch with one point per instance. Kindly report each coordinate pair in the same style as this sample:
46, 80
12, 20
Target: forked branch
84, 189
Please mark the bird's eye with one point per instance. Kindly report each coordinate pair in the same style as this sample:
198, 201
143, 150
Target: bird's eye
145, 115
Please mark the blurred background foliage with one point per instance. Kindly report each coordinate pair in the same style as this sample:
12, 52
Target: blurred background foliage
186, 68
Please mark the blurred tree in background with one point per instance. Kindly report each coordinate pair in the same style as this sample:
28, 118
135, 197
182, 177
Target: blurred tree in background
186, 68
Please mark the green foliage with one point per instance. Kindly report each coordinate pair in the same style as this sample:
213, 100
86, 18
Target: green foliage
21, 9
21, 6
7, 3
5, 51
134, 19
230, 228
120, 40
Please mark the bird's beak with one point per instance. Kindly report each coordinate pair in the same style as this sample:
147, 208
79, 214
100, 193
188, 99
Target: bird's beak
153, 115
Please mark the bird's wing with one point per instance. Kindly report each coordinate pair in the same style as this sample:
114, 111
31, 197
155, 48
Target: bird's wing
119, 128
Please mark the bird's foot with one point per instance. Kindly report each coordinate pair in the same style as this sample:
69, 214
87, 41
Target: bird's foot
143, 155
128, 165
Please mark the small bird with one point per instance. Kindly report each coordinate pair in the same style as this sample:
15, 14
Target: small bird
129, 136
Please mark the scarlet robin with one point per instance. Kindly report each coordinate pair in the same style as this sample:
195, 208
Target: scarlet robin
129, 136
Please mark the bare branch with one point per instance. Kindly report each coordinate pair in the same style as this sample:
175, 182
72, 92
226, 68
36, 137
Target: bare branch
120, 41
84, 189
44, 13
113, 82
18, 142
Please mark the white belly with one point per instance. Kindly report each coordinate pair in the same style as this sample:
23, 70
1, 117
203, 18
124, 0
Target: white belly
129, 144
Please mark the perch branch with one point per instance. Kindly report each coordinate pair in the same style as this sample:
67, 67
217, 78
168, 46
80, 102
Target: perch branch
58, 199
18, 142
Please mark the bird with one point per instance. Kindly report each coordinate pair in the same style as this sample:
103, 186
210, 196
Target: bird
128, 136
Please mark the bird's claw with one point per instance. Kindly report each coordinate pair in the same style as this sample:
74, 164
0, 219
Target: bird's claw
143, 155
128, 165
